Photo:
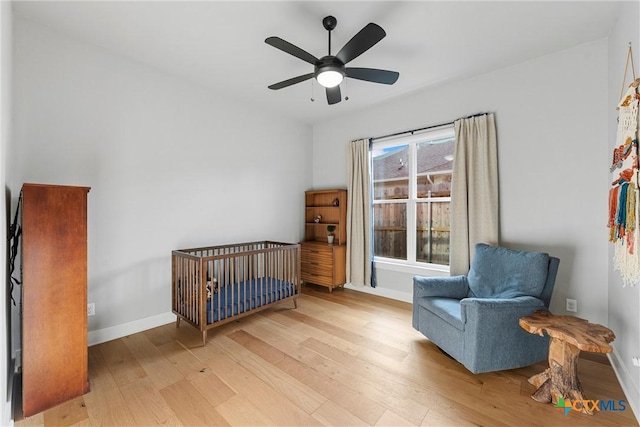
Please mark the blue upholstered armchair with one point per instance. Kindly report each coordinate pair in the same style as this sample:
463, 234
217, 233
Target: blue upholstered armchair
474, 318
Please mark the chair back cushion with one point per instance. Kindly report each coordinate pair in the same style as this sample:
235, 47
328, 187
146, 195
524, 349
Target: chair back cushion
498, 272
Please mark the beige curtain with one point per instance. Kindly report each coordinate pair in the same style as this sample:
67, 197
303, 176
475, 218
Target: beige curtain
359, 215
474, 193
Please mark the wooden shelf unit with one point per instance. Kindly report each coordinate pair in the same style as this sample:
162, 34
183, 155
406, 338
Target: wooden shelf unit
322, 202
323, 263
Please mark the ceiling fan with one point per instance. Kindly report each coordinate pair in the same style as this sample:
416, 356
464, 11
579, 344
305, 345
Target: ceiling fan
330, 70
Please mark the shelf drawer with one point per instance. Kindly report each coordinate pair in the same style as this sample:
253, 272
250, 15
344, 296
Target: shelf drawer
316, 249
317, 258
317, 279
317, 254
319, 269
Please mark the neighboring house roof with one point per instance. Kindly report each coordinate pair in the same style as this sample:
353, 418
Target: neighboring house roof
393, 165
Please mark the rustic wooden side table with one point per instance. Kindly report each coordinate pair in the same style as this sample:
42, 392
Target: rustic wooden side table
568, 335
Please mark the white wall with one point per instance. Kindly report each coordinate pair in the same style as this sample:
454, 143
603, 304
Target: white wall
551, 119
6, 364
624, 315
170, 165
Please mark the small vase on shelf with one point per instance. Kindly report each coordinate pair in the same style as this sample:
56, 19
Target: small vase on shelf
330, 236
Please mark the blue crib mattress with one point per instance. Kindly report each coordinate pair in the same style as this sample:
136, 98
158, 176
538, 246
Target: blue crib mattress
258, 292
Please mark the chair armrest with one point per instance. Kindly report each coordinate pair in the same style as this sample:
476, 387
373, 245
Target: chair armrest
497, 310
446, 287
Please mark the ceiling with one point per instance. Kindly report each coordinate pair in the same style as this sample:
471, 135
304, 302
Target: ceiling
220, 44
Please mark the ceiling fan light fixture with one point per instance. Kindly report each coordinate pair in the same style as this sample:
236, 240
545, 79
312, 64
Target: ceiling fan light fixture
330, 70
329, 76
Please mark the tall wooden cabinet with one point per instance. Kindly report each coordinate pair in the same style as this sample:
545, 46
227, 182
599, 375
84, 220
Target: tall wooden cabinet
54, 295
323, 263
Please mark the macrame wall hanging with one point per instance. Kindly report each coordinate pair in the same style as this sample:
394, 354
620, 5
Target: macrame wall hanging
623, 196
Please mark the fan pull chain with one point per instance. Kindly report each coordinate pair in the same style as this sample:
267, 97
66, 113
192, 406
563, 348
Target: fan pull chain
312, 86
346, 89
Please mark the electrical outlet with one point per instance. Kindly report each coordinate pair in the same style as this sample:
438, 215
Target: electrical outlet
572, 305
91, 309
636, 361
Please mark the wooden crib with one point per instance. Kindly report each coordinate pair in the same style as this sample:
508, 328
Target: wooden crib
215, 285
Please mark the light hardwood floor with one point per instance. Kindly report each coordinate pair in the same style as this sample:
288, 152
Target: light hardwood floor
340, 359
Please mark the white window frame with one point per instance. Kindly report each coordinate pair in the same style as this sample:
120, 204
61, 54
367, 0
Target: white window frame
410, 265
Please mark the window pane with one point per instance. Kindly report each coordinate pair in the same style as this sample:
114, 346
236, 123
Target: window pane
435, 163
391, 173
432, 238
390, 230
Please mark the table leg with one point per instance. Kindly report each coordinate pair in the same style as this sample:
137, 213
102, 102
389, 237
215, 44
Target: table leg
560, 379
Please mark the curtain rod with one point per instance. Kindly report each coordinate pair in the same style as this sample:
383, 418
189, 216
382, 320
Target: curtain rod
411, 132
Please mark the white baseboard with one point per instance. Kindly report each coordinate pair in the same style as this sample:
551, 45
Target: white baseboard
6, 410
383, 292
624, 378
118, 331
7, 416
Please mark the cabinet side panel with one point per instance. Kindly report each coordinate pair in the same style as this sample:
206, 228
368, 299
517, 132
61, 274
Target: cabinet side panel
54, 258
340, 265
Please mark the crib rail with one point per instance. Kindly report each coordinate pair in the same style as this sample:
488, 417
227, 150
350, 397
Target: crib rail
206, 279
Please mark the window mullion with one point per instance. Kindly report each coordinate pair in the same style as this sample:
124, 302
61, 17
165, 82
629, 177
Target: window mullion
411, 205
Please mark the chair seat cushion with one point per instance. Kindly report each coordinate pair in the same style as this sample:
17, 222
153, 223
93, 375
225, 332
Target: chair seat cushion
498, 272
448, 309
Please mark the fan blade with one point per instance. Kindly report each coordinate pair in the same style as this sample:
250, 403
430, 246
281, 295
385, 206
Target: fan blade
333, 95
361, 42
291, 49
291, 81
373, 75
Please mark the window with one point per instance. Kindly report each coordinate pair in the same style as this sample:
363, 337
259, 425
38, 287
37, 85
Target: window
412, 193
